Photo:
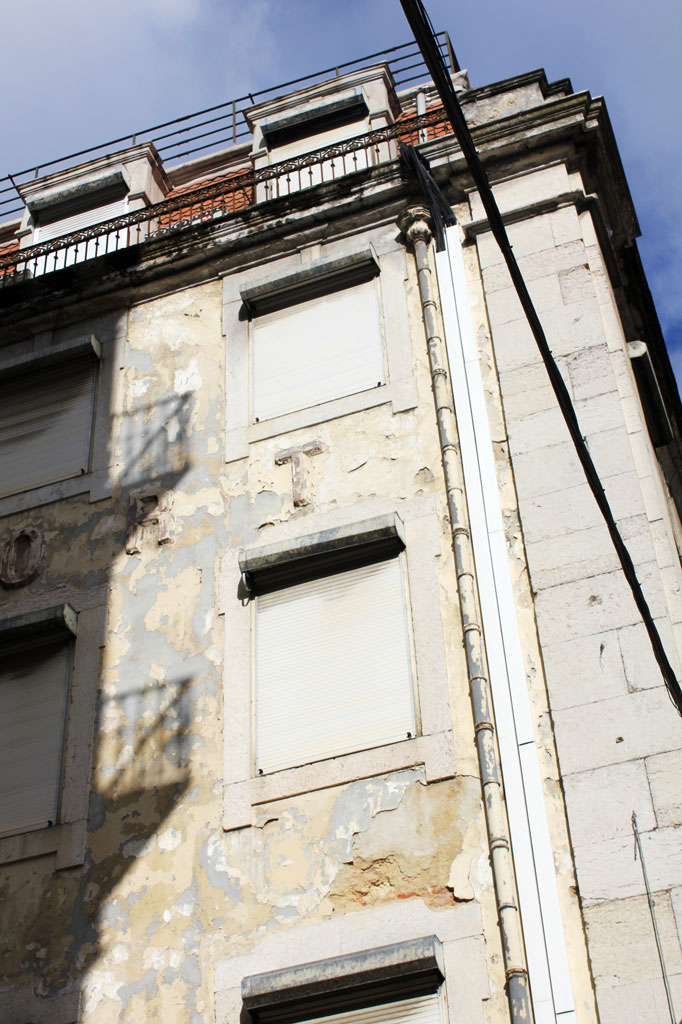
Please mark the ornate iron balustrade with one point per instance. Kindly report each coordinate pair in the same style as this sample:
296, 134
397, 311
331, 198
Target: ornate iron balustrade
225, 124
227, 195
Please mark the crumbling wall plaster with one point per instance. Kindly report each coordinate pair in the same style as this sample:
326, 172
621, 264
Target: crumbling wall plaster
135, 932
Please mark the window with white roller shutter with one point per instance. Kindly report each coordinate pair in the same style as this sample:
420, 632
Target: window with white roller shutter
422, 1010
46, 420
338, 664
33, 692
86, 250
293, 180
79, 221
316, 350
333, 666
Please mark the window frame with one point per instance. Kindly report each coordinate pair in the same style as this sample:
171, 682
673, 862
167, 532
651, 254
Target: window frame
66, 838
459, 931
14, 646
82, 356
293, 279
301, 301
44, 352
417, 525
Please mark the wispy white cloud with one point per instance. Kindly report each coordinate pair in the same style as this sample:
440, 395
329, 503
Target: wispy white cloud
84, 71
89, 72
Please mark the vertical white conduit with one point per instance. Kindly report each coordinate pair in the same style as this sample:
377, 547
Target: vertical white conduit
547, 956
415, 225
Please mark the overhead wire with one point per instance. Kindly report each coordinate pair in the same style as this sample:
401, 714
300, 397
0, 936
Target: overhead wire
424, 34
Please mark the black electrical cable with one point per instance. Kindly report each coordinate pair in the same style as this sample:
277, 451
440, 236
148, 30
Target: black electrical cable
441, 211
424, 35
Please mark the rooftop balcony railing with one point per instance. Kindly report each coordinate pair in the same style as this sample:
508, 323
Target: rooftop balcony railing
224, 125
220, 197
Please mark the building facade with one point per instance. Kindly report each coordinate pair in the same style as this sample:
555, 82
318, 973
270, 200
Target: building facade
323, 694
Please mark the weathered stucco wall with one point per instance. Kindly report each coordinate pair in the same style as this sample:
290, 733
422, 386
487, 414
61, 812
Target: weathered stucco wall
164, 894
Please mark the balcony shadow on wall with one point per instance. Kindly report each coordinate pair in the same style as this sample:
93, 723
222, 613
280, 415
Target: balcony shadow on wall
140, 762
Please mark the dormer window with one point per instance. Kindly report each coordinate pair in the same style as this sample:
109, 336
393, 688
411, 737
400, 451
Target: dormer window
326, 122
82, 197
59, 213
62, 211
320, 116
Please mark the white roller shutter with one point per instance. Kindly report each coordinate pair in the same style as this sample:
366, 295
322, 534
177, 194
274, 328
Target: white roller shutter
316, 350
85, 219
422, 1010
333, 667
330, 137
84, 250
45, 425
33, 682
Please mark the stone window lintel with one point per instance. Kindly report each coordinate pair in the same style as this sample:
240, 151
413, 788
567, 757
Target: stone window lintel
368, 531
399, 969
60, 618
317, 278
76, 347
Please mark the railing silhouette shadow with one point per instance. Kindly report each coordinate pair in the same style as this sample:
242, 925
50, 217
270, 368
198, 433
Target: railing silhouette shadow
140, 768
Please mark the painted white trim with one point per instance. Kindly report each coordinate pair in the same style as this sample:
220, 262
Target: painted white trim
547, 955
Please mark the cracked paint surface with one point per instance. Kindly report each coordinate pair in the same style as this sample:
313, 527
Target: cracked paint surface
133, 933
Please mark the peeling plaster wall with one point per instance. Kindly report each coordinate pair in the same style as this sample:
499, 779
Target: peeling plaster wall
164, 894
157, 760
122, 935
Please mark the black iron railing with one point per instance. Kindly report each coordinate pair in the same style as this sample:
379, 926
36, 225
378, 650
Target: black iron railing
226, 195
223, 125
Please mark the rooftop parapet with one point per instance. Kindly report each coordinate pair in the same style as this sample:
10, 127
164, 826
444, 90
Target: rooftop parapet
222, 126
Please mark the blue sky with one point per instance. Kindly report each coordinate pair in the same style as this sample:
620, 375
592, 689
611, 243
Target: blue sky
82, 72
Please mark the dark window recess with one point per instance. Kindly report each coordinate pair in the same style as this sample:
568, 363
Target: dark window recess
88, 195
304, 123
322, 555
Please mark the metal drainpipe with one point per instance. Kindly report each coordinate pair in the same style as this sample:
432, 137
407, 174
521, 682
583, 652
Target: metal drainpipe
414, 224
